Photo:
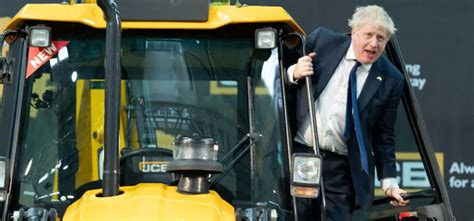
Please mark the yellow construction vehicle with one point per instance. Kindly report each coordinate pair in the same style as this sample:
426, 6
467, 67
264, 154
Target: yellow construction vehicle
159, 110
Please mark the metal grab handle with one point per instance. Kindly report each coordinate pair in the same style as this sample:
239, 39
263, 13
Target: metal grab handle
313, 125
423, 194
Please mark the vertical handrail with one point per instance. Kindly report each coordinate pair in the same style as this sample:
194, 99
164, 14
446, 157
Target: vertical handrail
313, 123
111, 173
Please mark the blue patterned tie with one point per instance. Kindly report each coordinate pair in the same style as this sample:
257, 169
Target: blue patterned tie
352, 104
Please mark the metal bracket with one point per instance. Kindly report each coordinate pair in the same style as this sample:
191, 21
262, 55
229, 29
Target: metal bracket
6, 70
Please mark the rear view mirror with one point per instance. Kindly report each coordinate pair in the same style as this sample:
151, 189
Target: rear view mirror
4, 178
293, 48
293, 41
9, 36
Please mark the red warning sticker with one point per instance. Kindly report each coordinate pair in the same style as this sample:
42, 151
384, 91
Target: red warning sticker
37, 56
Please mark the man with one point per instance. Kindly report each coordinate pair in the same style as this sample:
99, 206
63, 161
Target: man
356, 93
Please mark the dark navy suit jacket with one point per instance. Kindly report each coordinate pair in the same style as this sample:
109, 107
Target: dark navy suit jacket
378, 103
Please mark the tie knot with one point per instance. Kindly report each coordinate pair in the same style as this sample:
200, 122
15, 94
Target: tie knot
357, 63
354, 68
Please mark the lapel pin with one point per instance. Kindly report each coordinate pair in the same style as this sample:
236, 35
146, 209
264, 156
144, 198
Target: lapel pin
379, 78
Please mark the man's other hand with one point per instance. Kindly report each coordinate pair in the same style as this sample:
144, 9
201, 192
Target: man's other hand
396, 194
304, 67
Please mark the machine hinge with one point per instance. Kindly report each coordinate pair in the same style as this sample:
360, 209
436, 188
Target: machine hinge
6, 70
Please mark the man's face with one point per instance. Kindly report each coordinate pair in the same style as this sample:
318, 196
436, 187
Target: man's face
368, 43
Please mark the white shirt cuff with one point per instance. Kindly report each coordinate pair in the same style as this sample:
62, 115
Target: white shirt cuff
389, 182
289, 74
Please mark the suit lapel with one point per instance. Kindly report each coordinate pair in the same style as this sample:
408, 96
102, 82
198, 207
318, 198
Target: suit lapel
374, 79
333, 58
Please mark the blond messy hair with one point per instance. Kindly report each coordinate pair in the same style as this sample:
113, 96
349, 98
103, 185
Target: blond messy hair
372, 14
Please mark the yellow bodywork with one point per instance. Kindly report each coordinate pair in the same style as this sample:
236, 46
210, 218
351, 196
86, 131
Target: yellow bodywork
90, 120
90, 123
91, 15
150, 202
144, 201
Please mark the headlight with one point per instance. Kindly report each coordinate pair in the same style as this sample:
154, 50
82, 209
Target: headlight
306, 176
40, 36
4, 178
265, 38
307, 170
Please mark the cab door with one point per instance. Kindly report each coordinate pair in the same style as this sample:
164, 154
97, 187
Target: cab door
11, 64
419, 168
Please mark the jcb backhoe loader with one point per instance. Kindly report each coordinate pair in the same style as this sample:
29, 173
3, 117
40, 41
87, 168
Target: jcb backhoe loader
169, 110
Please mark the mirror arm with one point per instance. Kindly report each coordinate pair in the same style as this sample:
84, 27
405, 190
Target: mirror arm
9, 33
6, 64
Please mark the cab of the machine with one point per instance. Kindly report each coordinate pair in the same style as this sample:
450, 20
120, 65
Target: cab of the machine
203, 121
182, 83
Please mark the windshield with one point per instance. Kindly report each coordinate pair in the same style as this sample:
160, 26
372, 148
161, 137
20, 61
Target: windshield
173, 84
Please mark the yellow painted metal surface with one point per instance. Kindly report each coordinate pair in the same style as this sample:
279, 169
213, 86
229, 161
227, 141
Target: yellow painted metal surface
4, 21
91, 15
90, 104
215, 89
90, 129
218, 2
150, 202
144, 201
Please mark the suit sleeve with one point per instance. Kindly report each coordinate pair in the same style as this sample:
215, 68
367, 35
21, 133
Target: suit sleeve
384, 139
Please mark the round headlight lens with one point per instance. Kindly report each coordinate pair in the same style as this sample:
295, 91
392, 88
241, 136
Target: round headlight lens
306, 170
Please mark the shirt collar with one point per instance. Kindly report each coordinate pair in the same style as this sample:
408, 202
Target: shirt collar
351, 56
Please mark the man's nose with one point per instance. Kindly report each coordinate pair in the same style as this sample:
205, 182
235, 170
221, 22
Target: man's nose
373, 42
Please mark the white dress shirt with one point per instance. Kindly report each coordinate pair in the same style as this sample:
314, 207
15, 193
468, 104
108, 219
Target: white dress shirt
330, 109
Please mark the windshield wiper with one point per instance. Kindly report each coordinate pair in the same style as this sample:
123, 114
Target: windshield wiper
252, 138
